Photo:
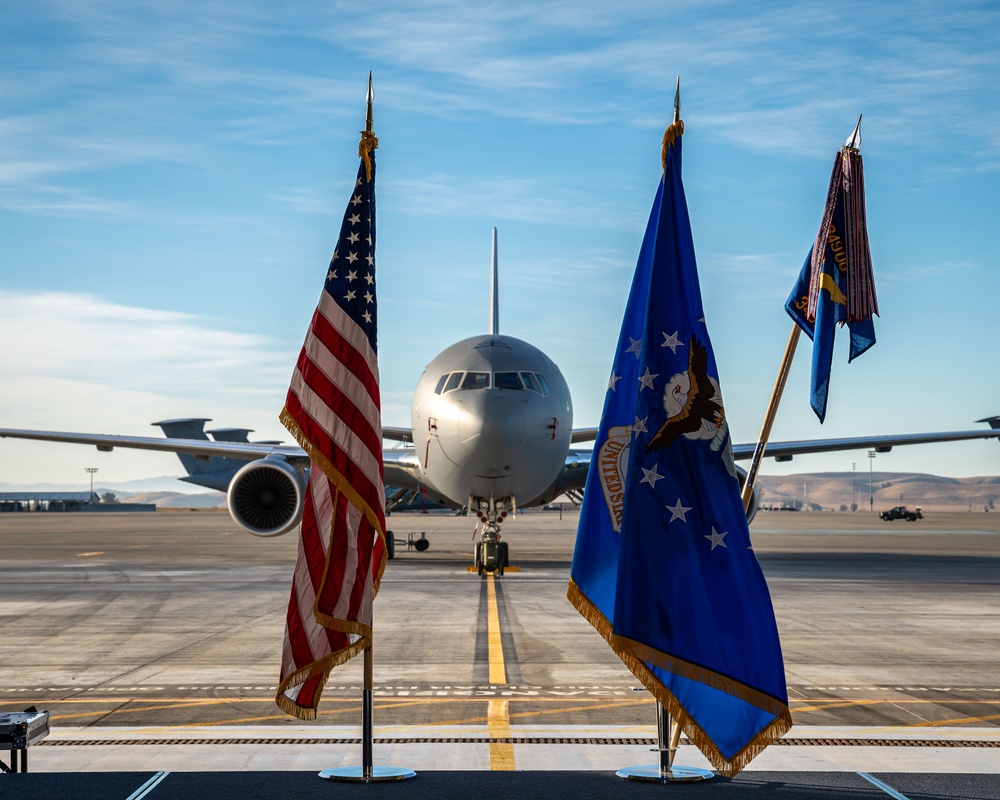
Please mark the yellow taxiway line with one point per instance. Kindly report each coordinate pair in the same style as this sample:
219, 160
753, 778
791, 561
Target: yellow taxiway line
498, 714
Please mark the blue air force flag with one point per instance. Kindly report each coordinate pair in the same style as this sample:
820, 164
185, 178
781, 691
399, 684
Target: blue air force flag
836, 285
663, 567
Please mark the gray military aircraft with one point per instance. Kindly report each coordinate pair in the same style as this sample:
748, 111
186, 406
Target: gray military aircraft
491, 431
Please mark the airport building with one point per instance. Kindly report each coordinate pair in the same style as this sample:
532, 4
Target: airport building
64, 501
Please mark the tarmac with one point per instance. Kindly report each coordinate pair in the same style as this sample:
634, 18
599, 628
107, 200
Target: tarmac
153, 640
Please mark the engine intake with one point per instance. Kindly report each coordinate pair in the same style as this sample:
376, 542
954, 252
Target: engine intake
265, 497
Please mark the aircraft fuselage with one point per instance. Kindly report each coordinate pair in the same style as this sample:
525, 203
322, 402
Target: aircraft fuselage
491, 418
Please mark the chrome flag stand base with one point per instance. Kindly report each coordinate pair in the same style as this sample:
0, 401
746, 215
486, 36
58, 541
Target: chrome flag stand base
665, 771
653, 774
367, 773
357, 774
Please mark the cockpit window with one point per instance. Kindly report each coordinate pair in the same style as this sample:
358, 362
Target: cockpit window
476, 380
507, 380
531, 381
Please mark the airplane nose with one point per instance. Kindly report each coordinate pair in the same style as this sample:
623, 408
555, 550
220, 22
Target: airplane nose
497, 434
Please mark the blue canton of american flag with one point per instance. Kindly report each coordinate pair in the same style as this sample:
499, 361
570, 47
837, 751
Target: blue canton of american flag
663, 566
333, 410
350, 281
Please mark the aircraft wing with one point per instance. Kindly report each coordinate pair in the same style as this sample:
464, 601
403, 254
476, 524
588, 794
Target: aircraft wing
401, 466
783, 451
246, 451
397, 434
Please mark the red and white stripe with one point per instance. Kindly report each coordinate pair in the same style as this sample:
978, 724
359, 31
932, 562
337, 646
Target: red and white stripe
334, 401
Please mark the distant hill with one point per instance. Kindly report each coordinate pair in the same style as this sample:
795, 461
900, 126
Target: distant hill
819, 491
176, 500
163, 492
836, 491
164, 483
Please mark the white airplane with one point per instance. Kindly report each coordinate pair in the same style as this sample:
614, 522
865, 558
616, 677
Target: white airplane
491, 431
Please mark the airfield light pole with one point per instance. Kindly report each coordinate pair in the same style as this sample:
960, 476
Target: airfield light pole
91, 471
871, 486
854, 487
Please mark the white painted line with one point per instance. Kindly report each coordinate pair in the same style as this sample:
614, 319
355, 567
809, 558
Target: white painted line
883, 786
148, 786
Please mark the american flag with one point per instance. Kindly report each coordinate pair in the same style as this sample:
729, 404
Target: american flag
332, 409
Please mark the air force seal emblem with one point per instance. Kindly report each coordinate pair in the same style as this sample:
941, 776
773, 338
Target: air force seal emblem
613, 461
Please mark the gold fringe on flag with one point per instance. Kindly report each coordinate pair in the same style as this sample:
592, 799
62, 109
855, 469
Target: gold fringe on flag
848, 176
322, 667
637, 657
338, 480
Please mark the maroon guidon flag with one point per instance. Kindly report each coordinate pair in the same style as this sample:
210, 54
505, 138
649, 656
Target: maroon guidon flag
333, 411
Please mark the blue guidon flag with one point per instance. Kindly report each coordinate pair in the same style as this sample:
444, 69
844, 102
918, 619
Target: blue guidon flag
836, 285
333, 410
663, 566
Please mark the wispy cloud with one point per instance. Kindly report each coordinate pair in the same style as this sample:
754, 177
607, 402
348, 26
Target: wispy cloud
523, 199
125, 366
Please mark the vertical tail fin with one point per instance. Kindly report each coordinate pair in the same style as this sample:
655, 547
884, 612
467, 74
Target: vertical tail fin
994, 422
494, 291
214, 472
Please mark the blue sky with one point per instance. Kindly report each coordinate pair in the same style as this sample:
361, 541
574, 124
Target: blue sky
173, 175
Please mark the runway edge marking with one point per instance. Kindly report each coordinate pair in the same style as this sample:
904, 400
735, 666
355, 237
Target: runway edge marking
148, 786
883, 786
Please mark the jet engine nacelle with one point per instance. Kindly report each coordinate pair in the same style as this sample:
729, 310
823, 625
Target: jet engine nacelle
265, 497
754, 499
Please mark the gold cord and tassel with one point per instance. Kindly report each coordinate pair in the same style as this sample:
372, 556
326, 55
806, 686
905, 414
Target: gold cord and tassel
669, 137
368, 143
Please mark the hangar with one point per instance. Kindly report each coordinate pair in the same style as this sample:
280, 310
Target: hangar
64, 501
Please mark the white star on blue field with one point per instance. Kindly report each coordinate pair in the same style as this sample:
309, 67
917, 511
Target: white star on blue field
173, 178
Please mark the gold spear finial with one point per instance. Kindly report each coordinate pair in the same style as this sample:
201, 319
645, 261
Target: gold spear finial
369, 141
371, 96
676, 129
855, 141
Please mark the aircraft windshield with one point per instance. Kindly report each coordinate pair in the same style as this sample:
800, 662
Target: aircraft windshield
532, 381
507, 380
476, 380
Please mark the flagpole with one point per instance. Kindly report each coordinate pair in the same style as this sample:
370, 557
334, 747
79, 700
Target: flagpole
664, 734
367, 735
368, 772
668, 735
666, 739
772, 411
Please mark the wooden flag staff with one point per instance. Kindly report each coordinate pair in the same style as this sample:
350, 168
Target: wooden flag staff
772, 411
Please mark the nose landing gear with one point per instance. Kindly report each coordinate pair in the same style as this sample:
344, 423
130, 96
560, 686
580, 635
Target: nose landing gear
491, 553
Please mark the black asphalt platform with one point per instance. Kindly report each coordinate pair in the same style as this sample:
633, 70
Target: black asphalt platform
520, 785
